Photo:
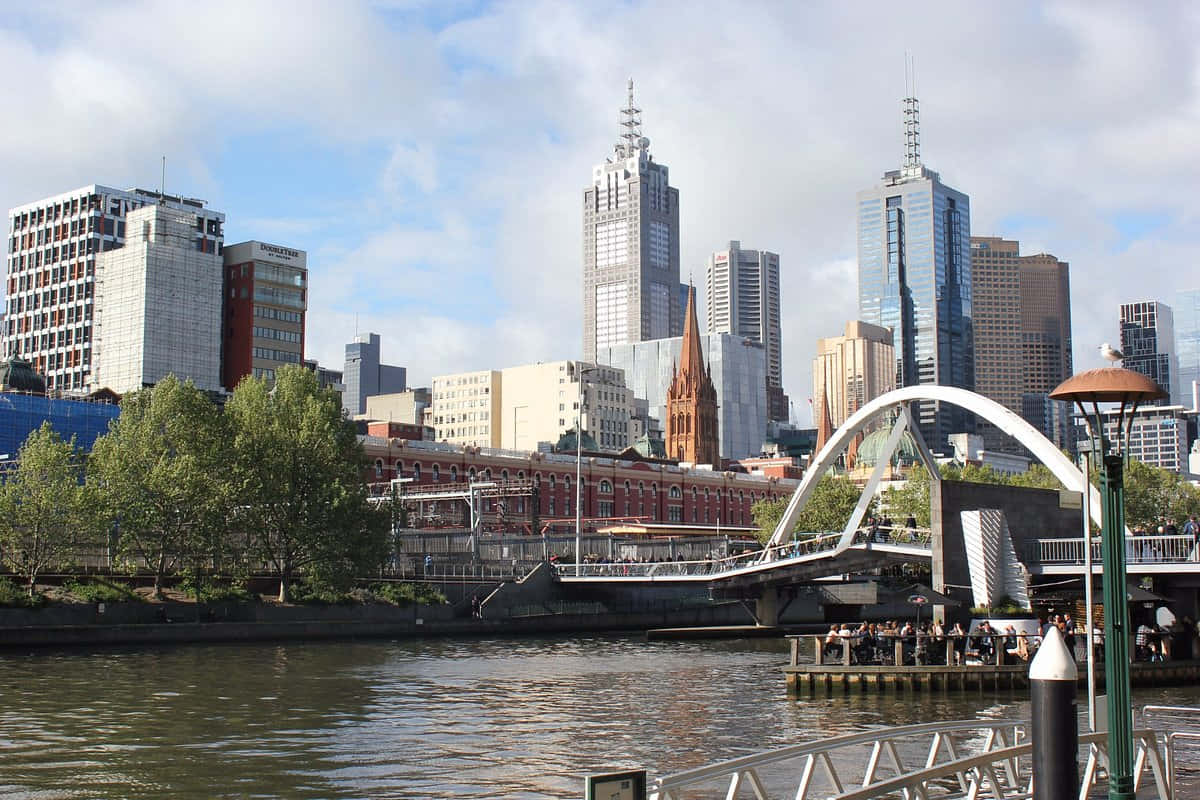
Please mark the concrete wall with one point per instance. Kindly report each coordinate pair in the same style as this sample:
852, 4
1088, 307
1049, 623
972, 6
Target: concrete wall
1031, 514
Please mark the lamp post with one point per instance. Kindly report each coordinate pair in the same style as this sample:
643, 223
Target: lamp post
579, 373
1127, 389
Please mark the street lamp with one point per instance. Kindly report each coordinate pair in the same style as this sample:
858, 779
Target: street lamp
1126, 388
579, 373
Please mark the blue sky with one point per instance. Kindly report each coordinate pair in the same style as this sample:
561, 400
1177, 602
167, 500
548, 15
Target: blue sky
430, 157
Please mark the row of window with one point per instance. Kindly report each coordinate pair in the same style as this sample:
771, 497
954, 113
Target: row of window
264, 312
275, 333
271, 354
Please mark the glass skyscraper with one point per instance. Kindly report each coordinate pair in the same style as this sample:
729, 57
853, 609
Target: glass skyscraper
1187, 343
1148, 342
914, 277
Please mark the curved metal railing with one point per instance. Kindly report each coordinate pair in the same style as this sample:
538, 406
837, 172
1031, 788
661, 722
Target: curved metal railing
968, 758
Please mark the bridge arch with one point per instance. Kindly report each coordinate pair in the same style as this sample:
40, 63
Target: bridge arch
1003, 418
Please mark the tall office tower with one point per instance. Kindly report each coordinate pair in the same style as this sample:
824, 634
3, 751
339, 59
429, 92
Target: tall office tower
851, 370
363, 374
52, 250
1046, 346
914, 276
1148, 342
1187, 344
996, 307
692, 433
1022, 324
742, 291
630, 245
265, 299
158, 305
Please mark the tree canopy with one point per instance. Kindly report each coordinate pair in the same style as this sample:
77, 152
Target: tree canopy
42, 505
833, 500
297, 480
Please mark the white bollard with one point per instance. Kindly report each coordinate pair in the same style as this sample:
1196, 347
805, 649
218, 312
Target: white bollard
1055, 724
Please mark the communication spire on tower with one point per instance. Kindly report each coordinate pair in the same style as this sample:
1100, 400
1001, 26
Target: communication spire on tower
912, 120
632, 123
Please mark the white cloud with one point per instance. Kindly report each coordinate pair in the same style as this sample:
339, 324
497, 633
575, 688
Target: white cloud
460, 242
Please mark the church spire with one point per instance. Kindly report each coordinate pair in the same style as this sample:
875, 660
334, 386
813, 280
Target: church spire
692, 428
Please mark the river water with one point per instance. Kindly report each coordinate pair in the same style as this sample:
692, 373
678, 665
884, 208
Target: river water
437, 718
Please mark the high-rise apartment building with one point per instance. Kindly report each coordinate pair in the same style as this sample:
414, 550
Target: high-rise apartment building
266, 296
1022, 330
852, 369
157, 305
1148, 342
363, 374
742, 293
466, 408
914, 277
1187, 344
630, 245
52, 250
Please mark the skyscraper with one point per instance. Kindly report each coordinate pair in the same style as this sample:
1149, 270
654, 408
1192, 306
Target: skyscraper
1148, 342
1022, 329
52, 250
364, 375
914, 276
742, 291
1187, 343
851, 370
630, 245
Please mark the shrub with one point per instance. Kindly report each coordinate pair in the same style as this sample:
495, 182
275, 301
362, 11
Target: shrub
13, 596
100, 591
204, 589
313, 592
407, 594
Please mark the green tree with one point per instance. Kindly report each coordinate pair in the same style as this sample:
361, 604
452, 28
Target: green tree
158, 475
910, 499
1154, 497
828, 509
43, 505
298, 479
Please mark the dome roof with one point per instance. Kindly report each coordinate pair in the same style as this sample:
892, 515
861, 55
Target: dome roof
871, 449
1108, 385
17, 375
566, 443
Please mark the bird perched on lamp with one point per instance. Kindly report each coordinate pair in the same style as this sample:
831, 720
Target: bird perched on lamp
1109, 353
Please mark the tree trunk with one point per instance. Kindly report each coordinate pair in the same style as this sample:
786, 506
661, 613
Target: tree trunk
32, 583
158, 595
284, 594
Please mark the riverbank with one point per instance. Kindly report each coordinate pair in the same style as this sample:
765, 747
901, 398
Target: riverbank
158, 623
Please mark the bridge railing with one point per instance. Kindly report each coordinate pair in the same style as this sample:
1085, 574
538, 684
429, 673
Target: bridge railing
801, 549
1138, 550
973, 758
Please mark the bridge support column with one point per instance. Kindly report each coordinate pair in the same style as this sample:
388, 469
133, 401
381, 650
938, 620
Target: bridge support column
766, 607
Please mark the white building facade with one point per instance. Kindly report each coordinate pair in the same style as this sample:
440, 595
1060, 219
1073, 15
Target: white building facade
158, 305
465, 408
541, 402
53, 247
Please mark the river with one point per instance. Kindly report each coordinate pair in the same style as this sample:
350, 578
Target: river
437, 718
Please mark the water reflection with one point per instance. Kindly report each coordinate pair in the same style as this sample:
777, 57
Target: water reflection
414, 719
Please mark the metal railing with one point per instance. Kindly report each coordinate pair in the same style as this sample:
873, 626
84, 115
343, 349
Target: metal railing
806, 549
1184, 722
1138, 550
929, 760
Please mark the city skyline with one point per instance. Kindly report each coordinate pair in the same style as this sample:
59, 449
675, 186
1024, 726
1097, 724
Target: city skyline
402, 191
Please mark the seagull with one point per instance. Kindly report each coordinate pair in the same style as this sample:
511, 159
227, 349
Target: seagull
1109, 353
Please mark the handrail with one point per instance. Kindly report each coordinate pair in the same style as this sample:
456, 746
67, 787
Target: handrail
817, 546
1156, 549
997, 768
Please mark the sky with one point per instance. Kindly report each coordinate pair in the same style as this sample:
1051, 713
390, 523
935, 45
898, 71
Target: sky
431, 156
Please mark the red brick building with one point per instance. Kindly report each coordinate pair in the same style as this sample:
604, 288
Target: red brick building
612, 488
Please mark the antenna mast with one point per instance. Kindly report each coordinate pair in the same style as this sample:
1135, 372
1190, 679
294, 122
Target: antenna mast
912, 120
632, 123
162, 186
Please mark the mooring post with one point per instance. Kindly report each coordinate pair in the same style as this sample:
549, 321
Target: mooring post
818, 651
1055, 723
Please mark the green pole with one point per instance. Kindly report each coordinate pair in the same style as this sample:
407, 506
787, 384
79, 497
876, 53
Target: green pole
1116, 631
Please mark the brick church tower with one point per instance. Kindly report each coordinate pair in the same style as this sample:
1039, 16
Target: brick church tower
692, 433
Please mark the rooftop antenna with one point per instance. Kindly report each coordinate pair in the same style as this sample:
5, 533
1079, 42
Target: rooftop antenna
912, 120
632, 123
162, 186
